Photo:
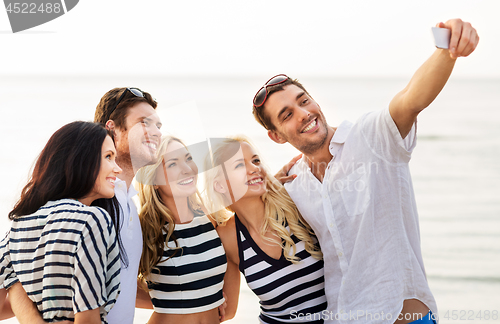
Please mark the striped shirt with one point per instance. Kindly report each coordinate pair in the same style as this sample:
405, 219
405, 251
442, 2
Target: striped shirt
67, 258
189, 280
288, 292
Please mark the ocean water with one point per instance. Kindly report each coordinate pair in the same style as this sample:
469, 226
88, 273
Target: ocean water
455, 166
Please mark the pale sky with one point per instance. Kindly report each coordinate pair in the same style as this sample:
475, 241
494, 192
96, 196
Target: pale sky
330, 38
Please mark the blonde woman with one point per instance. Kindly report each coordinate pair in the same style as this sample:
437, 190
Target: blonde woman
267, 238
183, 260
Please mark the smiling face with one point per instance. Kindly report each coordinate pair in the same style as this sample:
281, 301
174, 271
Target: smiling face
298, 119
105, 183
177, 175
141, 136
246, 178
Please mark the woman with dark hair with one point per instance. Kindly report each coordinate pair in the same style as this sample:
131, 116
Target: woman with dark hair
62, 247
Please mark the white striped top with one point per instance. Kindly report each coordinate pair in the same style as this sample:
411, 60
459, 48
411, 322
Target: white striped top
288, 292
189, 280
67, 258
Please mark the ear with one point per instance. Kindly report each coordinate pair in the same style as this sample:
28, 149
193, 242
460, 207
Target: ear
110, 124
218, 187
276, 137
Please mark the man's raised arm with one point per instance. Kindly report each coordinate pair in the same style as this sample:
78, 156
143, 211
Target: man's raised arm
431, 77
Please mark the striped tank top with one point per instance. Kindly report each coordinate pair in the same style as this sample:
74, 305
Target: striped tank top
288, 292
66, 257
190, 279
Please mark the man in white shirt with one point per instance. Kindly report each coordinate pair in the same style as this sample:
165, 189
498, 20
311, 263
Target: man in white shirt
130, 115
354, 188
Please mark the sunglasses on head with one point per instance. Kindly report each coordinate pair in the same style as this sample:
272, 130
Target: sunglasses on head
261, 95
135, 91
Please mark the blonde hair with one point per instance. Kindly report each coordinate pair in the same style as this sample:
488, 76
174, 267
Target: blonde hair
280, 210
154, 215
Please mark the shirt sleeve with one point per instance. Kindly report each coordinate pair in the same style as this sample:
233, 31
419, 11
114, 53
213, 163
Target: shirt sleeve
383, 137
97, 264
7, 275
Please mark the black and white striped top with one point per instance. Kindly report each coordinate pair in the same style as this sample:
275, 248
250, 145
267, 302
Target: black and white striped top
67, 258
191, 278
288, 292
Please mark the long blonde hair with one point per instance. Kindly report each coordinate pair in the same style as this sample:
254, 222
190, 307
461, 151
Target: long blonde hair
279, 207
154, 215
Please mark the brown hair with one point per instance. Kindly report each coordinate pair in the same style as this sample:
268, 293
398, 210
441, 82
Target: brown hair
258, 112
103, 111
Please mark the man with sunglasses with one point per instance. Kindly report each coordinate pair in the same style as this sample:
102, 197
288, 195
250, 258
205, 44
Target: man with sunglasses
130, 115
353, 187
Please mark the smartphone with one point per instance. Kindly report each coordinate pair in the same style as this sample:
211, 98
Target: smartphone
441, 37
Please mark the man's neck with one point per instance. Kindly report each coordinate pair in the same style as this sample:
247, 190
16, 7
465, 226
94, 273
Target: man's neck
318, 161
128, 172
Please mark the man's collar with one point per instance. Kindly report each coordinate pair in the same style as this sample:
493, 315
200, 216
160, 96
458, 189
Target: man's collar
338, 137
121, 184
341, 133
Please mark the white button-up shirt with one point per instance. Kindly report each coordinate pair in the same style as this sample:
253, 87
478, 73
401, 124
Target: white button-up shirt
365, 216
131, 236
